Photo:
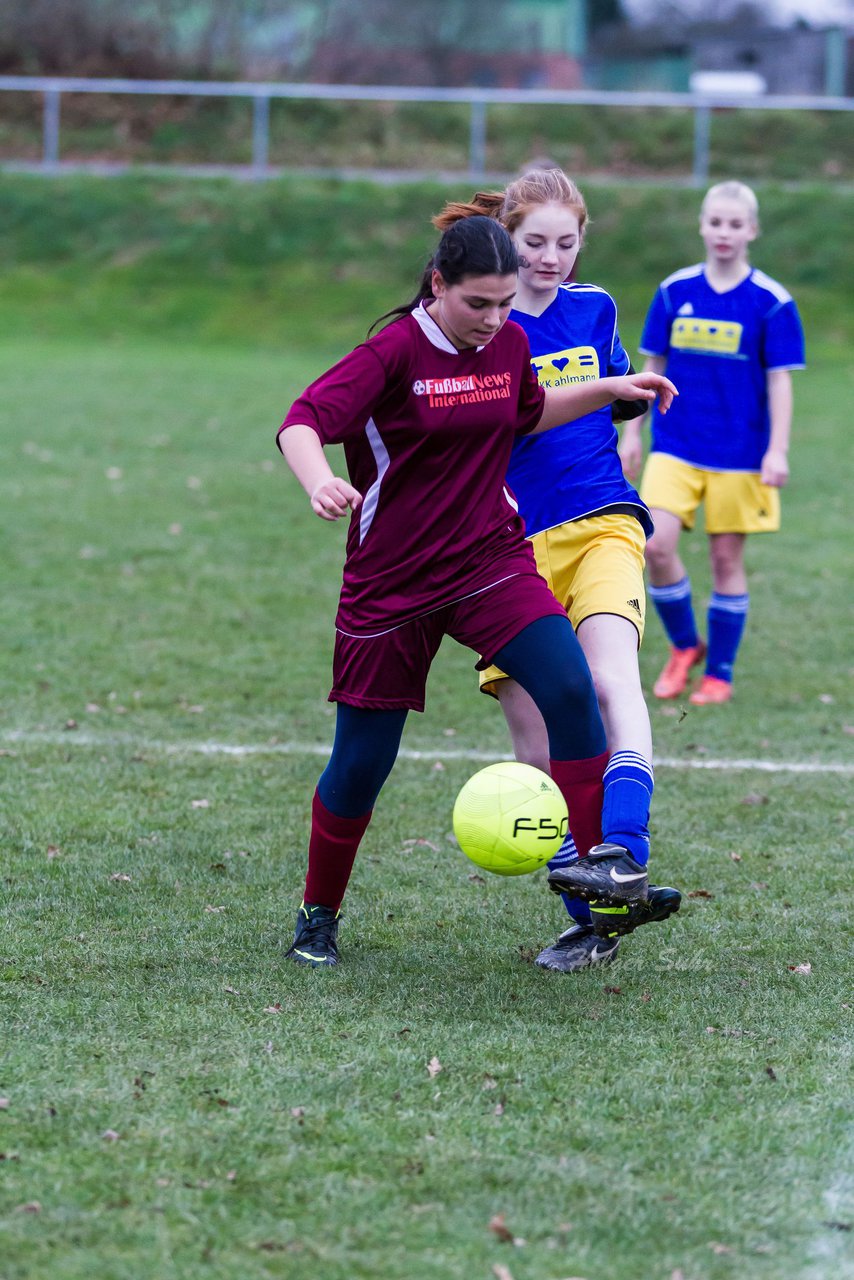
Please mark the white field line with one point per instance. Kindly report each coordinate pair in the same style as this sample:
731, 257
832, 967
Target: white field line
73, 737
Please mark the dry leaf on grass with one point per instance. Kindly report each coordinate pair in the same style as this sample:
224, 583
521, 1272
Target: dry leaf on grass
499, 1228
110, 1135
501, 1272
4, 1103
200, 804
273, 1008
434, 1066
32, 1206
800, 968
700, 893
716, 1247
753, 797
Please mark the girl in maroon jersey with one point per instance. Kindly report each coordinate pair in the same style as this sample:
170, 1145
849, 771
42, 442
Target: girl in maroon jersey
427, 411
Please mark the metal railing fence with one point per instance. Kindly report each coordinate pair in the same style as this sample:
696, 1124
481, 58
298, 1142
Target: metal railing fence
262, 94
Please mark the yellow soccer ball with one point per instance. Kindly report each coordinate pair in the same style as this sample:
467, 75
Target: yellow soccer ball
510, 818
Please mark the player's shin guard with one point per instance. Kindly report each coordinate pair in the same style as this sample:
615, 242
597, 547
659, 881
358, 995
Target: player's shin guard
625, 809
580, 782
332, 849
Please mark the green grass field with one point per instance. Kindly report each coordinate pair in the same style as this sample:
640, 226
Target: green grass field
178, 1103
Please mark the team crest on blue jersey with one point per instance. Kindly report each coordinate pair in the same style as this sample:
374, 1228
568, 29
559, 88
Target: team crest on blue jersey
565, 368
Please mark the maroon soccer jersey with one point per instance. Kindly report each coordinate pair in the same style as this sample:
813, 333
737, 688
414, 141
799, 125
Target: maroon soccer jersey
427, 433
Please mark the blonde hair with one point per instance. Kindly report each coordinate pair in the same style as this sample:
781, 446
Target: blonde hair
511, 206
733, 191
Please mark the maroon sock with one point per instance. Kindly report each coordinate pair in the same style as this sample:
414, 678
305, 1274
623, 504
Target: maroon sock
332, 849
580, 782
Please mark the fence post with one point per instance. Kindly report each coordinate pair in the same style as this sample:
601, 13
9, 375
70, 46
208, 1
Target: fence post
702, 132
477, 140
50, 129
260, 134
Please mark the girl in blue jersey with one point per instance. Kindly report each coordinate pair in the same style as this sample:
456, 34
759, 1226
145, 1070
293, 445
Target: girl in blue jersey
588, 528
730, 335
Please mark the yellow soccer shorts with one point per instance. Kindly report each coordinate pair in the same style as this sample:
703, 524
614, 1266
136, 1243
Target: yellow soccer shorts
592, 566
735, 501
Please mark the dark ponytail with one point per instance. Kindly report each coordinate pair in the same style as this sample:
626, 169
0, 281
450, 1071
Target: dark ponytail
474, 245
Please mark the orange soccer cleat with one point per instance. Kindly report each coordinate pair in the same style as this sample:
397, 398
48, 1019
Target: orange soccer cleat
711, 690
674, 678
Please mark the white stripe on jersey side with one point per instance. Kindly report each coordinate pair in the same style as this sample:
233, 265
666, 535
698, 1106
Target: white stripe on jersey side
372, 497
773, 286
686, 273
572, 287
596, 288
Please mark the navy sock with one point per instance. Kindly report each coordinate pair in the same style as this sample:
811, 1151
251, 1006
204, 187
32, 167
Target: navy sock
578, 909
674, 608
625, 808
727, 619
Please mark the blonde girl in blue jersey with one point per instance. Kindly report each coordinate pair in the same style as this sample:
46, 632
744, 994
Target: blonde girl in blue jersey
730, 335
588, 528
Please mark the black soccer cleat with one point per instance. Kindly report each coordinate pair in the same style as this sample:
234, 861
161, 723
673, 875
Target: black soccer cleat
316, 936
608, 874
614, 921
577, 948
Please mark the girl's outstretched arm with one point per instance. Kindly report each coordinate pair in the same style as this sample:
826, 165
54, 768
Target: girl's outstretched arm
331, 497
563, 404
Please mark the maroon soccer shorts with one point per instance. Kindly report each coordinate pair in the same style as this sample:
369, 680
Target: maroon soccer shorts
389, 671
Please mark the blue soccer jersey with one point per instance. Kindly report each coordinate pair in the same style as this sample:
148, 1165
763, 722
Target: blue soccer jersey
574, 470
719, 349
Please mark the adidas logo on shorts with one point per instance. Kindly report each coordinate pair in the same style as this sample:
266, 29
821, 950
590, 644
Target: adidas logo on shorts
634, 604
